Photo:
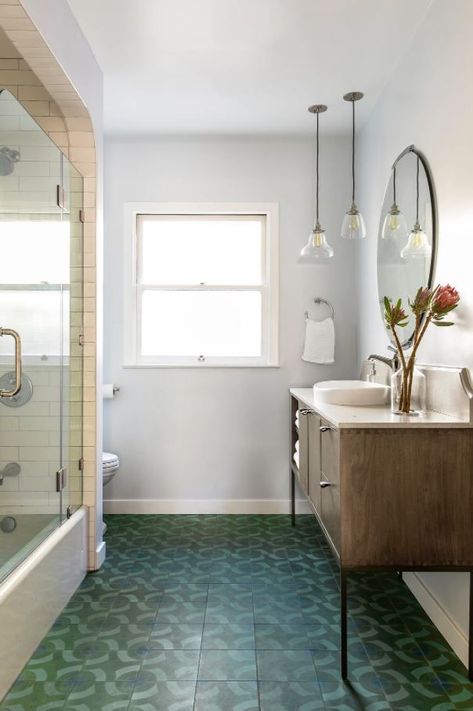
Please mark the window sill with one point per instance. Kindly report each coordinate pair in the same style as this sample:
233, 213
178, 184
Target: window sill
199, 366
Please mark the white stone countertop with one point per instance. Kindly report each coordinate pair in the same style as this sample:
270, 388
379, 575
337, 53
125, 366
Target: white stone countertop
347, 416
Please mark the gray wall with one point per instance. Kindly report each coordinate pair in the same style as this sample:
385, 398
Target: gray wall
428, 102
187, 437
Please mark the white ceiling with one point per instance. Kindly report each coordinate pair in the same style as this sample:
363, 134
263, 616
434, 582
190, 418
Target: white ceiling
242, 66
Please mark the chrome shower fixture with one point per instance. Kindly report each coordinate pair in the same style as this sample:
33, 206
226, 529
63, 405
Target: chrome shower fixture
8, 158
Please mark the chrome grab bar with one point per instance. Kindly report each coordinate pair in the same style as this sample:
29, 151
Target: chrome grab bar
17, 339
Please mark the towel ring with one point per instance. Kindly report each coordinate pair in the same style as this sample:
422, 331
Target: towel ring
319, 300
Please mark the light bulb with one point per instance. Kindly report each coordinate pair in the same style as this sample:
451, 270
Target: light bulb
417, 246
353, 226
394, 226
317, 247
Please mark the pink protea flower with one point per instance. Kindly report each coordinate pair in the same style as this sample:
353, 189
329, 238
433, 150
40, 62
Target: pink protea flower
444, 299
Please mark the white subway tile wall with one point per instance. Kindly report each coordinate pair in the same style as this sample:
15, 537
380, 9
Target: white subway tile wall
47, 94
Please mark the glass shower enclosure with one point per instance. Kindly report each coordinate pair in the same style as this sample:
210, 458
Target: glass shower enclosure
41, 315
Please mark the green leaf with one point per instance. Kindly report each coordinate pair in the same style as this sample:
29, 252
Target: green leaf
443, 323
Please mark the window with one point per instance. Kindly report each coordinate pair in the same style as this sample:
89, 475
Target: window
202, 285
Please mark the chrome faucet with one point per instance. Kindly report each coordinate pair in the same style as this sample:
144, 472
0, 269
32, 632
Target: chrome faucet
392, 363
372, 371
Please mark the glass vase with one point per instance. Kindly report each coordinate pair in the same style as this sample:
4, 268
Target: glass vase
408, 392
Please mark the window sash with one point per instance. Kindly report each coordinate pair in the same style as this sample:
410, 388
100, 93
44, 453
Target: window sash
141, 219
192, 360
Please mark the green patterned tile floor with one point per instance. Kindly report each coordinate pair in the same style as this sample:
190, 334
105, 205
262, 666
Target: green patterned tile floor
235, 613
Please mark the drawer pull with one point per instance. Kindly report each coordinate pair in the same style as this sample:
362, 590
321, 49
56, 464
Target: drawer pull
324, 484
325, 428
305, 412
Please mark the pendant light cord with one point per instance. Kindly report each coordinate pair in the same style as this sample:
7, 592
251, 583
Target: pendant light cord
394, 185
417, 192
353, 154
317, 174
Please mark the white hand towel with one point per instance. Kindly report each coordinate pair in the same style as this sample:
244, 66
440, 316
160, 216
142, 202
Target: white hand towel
319, 346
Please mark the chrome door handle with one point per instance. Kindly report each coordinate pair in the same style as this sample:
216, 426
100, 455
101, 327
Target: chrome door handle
306, 412
325, 428
324, 484
16, 389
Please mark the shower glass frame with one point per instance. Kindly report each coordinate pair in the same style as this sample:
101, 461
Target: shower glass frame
41, 297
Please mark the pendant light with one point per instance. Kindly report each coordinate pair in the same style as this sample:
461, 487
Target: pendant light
417, 246
353, 226
317, 248
395, 225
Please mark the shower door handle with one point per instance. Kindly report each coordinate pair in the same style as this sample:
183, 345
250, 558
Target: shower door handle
17, 387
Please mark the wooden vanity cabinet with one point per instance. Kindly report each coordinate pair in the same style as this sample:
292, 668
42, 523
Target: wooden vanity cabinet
389, 498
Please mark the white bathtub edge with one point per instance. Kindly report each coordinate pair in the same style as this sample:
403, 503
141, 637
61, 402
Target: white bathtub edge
36, 592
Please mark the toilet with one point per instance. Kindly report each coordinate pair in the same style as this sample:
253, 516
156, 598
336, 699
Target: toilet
110, 466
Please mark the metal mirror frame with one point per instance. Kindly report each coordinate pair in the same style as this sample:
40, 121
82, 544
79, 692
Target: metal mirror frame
407, 343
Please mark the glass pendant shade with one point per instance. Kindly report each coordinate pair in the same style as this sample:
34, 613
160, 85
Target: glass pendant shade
317, 248
353, 226
395, 225
417, 246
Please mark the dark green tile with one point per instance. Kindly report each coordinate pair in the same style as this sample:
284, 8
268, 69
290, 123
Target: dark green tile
342, 696
172, 665
227, 665
274, 637
228, 636
236, 611
165, 696
35, 697
106, 696
176, 636
417, 697
293, 696
172, 585
182, 612
226, 696
285, 665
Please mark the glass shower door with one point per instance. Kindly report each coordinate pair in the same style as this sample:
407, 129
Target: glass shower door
34, 295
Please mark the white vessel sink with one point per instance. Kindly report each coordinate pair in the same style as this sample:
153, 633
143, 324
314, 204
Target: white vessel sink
351, 392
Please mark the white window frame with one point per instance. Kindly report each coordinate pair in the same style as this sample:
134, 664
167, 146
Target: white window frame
269, 289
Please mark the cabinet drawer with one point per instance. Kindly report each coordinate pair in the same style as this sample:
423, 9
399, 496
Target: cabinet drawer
330, 473
314, 461
330, 452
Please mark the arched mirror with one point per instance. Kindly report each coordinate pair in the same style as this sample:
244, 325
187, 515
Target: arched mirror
407, 236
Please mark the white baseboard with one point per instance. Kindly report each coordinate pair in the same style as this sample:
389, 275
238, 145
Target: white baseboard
203, 506
456, 638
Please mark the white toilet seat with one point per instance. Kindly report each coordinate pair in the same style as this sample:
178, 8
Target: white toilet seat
110, 465
109, 459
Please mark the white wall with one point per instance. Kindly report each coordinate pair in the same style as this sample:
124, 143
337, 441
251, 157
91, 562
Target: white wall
221, 434
428, 102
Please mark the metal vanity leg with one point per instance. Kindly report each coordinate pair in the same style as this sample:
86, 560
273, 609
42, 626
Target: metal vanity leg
470, 633
343, 625
293, 498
